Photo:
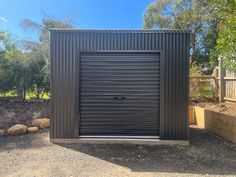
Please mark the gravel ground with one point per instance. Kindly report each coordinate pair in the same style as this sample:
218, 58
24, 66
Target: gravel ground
33, 155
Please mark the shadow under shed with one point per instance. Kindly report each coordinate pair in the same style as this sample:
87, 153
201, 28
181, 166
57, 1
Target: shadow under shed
207, 154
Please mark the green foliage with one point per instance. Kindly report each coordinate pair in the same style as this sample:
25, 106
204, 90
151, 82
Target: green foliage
38, 53
225, 11
27, 71
202, 89
205, 93
213, 24
192, 15
29, 95
195, 70
9, 63
178, 14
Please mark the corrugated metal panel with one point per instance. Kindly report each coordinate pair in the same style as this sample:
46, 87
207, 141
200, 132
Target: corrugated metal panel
120, 94
175, 47
63, 86
119, 30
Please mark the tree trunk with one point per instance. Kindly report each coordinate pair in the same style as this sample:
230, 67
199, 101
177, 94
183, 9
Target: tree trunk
193, 45
24, 90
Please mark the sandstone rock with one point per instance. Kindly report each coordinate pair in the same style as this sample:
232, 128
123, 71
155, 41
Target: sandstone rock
2, 132
32, 129
41, 123
17, 129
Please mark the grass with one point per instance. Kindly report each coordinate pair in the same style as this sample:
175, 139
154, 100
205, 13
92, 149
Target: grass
29, 95
206, 92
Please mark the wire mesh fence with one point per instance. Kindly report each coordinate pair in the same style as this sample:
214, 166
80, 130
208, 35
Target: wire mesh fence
203, 88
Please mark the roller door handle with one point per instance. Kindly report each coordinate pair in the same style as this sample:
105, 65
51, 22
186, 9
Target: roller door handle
118, 98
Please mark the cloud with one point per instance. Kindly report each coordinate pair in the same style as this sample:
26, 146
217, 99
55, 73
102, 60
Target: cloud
3, 19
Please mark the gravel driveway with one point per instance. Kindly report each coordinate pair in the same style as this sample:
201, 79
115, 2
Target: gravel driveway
33, 155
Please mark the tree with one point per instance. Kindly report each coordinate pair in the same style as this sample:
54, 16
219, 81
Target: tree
9, 64
225, 11
27, 69
38, 52
192, 15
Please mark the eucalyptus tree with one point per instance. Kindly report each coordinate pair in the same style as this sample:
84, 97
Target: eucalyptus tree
38, 51
225, 11
9, 64
192, 15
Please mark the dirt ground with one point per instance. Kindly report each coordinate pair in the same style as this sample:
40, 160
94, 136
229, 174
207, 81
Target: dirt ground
33, 155
12, 113
22, 112
228, 108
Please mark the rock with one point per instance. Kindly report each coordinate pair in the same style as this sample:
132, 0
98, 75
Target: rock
2, 132
32, 129
41, 123
17, 129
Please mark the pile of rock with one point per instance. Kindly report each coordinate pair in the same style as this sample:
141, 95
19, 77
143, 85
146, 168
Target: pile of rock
37, 124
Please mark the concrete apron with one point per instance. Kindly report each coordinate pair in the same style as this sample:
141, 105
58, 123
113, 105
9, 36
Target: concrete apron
122, 141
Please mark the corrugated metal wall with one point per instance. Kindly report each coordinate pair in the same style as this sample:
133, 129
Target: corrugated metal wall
64, 71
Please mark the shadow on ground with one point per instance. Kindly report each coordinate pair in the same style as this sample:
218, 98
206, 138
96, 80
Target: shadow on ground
207, 154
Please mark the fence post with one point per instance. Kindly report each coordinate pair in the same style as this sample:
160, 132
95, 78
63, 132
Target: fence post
216, 83
221, 81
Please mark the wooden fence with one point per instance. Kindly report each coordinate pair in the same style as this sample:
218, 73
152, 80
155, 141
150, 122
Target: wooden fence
227, 84
221, 85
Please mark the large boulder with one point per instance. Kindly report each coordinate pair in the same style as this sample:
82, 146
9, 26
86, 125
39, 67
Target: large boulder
32, 129
41, 123
17, 129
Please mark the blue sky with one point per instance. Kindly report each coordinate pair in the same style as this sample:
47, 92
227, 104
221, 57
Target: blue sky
108, 14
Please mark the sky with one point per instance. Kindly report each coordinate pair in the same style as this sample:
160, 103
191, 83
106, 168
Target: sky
88, 14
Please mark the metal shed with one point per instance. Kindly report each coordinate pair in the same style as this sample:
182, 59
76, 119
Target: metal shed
119, 84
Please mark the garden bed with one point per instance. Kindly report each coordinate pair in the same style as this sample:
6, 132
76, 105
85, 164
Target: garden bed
12, 113
221, 124
228, 108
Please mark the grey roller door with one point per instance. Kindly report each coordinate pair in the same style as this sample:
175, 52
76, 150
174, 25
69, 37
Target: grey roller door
119, 94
